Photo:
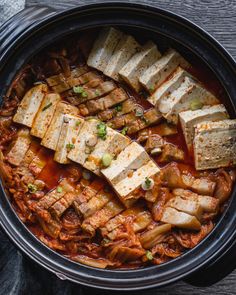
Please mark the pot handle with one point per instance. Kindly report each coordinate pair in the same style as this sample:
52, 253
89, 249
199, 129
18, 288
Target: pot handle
17, 24
216, 271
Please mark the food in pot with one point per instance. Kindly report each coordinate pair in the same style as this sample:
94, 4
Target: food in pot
115, 153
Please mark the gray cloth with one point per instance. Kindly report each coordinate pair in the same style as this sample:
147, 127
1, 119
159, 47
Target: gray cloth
10, 7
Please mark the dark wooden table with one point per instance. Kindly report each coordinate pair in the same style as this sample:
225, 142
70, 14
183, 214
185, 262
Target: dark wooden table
20, 276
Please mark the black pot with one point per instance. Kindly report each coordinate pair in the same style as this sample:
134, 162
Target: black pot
31, 30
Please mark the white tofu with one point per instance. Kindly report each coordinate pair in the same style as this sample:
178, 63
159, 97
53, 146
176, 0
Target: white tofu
30, 105
215, 144
135, 67
157, 73
52, 134
103, 48
20, 147
183, 98
125, 49
189, 119
171, 84
128, 185
79, 153
131, 158
45, 114
189, 206
69, 131
180, 219
114, 143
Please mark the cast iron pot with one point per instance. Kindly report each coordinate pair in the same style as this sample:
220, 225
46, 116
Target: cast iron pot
31, 30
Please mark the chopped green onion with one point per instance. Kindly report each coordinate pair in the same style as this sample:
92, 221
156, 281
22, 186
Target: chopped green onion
78, 89
32, 188
77, 123
151, 88
102, 130
70, 146
124, 130
59, 189
107, 159
84, 94
47, 106
196, 104
139, 111
149, 255
118, 108
147, 184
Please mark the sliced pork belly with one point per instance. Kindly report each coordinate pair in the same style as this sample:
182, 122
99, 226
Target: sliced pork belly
31, 152
190, 95
121, 121
39, 161
189, 119
30, 105
101, 217
103, 48
69, 131
125, 49
114, 143
180, 219
130, 159
215, 144
44, 115
94, 106
157, 73
136, 66
168, 86
52, 134
20, 147
59, 207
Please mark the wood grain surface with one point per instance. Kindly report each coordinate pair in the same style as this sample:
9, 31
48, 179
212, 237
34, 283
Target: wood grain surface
219, 19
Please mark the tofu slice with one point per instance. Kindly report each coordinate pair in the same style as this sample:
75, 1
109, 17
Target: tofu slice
52, 134
136, 66
180, 219
189, 119
114, 143
20, 147
182, 99
131, 158
79, 153
125, 49
189, 206
207, 203
45, 114
103, 48
69, 131
30, 105
128, 185
215, 144
167, 87
157, 73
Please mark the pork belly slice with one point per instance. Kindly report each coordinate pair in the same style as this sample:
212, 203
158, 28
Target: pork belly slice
215, 144
45, 114
30, 105
54, 195
101, 217
157, 73
52, 134
124, 50
180, 219
96, 203
171, 84
127, 187
189, 95
20, 147
189, 206
130, 159
151, 237
31, 152
121, 109
51, 228
170, 152
103, 48
114, 143
207, 203
189, 119
59, 207
120, 121
138, 63
94, 106
69, 131
39, 161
